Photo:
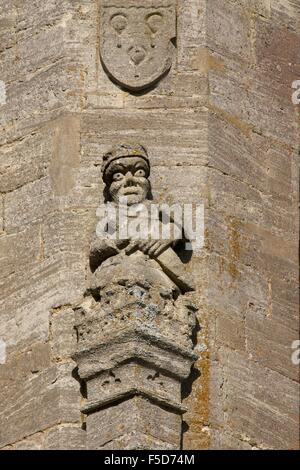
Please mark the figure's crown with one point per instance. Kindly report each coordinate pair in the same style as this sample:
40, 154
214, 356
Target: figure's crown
124, 151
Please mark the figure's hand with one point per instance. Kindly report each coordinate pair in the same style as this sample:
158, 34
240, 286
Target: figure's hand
158, 247
153, 248
133, 246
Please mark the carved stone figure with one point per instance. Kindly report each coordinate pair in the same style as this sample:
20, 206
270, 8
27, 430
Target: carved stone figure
126, 171
136, 323
136, 40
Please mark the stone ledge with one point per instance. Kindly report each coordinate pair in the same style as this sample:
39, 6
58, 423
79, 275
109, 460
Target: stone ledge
134, 344
92, 406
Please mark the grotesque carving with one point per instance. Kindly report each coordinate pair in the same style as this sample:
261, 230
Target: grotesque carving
136, 40
126, 171
135, 325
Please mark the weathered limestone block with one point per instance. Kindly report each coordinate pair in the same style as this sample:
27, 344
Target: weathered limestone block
1, 214
286, 13
228, 29
27, 205
24, 161
249, 389
41, 400
35, 442
65, 437
62, 333
65, 154
136, 423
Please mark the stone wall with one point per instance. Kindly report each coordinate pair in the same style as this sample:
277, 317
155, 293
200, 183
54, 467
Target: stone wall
252, 228
220, 129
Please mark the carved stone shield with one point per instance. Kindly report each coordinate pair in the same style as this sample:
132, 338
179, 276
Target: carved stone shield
136, 36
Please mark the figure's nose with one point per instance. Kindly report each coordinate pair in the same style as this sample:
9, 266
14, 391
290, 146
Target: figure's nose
137, 54
129, 179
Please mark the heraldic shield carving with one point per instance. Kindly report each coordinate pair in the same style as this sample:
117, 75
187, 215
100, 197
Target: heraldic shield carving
136, 36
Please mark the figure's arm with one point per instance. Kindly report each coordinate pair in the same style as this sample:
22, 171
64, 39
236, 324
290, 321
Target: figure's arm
156, 247
101, 250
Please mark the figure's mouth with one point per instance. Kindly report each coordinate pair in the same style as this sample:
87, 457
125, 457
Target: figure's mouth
130, 191
137, 54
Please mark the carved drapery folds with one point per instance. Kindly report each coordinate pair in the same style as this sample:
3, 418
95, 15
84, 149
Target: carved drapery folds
136, 322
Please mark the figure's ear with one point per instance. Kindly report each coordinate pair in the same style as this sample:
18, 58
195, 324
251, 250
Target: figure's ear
149, 195
106, 194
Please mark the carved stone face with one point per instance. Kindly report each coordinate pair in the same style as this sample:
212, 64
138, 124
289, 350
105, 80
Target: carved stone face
136, 40
128, 177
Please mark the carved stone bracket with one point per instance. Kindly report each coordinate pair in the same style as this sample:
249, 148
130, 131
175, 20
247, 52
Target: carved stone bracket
137, 364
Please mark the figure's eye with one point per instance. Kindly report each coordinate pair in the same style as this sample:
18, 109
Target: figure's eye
119, 23
140, 173
154, 22
118, 176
